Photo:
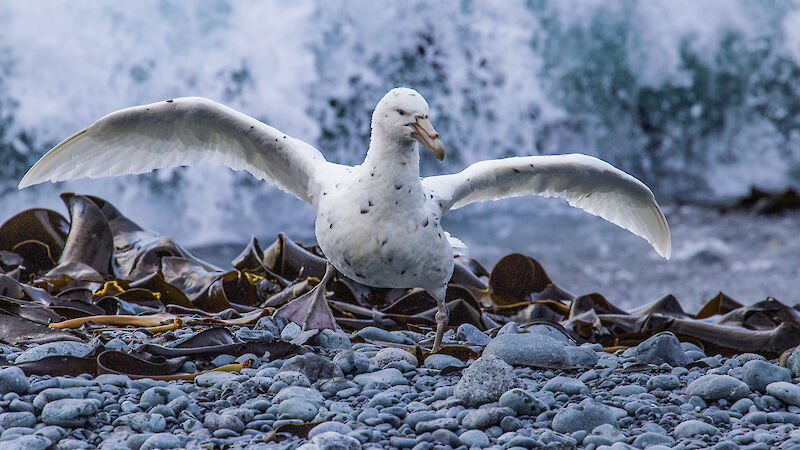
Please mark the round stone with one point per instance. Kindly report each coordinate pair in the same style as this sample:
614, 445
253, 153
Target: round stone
758, 374
69, 412
692, 428
586, 416
13, 379
485, 380
715, 387
391, 354
522, 402
57, 348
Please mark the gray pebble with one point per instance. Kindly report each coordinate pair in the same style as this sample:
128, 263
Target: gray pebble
534, 349
691, 428
485, 417
391, 354
378, 334
659, 349
435, 424
29, 442
158, 395
390, 376
213, 378
290, 332
17, 419
715, 387
13, 379
163, 441
69, 412
649, 439
472, 335
338, 427
441, 361
758, 374
331, 440
143, 422
485, 380
214, 421
314, 367
786, 392
57, 348
663, 382
297, 408
351, 361
522, 402
586, 416
566, 385
474, 438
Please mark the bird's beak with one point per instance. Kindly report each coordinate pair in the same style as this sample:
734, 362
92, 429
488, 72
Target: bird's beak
424, 132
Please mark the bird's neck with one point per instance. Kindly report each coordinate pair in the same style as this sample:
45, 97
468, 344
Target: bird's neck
393, 160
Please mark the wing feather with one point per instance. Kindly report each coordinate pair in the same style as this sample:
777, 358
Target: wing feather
182, 132
585, 182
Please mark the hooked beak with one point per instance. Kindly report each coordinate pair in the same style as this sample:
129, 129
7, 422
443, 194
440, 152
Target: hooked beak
424, 132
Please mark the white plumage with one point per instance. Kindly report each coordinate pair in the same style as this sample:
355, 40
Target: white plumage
378, 222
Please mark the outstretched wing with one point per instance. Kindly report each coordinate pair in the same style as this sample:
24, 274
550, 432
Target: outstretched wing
182, 132
585, 182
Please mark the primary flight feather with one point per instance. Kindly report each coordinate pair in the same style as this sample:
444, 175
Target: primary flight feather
379, 222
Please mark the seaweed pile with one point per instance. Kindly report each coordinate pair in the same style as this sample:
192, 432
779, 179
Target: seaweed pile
91, 277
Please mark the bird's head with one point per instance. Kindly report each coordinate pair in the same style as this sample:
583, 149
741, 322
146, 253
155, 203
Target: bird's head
402, 115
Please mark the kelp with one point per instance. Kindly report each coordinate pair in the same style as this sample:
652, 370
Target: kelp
100, 273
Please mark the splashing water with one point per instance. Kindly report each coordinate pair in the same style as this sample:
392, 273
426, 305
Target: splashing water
697, 99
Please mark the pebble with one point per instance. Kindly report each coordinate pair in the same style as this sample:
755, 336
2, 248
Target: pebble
649, 439
29, 442
441, 361
715, 387
389, 376
214, 422
12, 379
331, 440
378, 334
663, 382
534, 349
758, 374
213, 378
69, 412
143, 422
659, 349
17, 419
691, 428
163, 441
522, 402
391, 354
57, 348
474, 439
314, 367
352, 362
470, 334
786, 392
158, 395
586, 416
793, 362
484, 418
297, 408
566, 385
338, 427
485, 380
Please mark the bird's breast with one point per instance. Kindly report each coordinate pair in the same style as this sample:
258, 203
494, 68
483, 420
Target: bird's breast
399, 246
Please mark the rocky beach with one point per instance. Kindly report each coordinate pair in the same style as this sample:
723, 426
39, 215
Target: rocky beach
115, 337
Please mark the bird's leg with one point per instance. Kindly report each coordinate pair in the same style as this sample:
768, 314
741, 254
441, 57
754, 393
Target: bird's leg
311, 310
442, 315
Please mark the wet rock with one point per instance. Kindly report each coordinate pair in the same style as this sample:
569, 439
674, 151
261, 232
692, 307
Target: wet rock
691, 428
522, 402
158, 395
389, 376
659, 349
17, 419
29, 442
330, 339
378, 334
292, 378
69, 412
297, 408
485, 380
214, 421
143, 422
58, 348
649, 439
786, 392
331, 440
566, 385
586, 416
337, 427
472, 335
663, 382
314, 367
484, 418
351, 361
13, 379
214, 378
534, 349
758, 374
474, 439
441, 361
391, 354
793, 362
307, 394
163, 441
715, 387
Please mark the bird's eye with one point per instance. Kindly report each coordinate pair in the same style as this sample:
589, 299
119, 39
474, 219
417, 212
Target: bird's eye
401, 112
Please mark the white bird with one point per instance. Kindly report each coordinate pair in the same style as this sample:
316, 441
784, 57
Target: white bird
378, 223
